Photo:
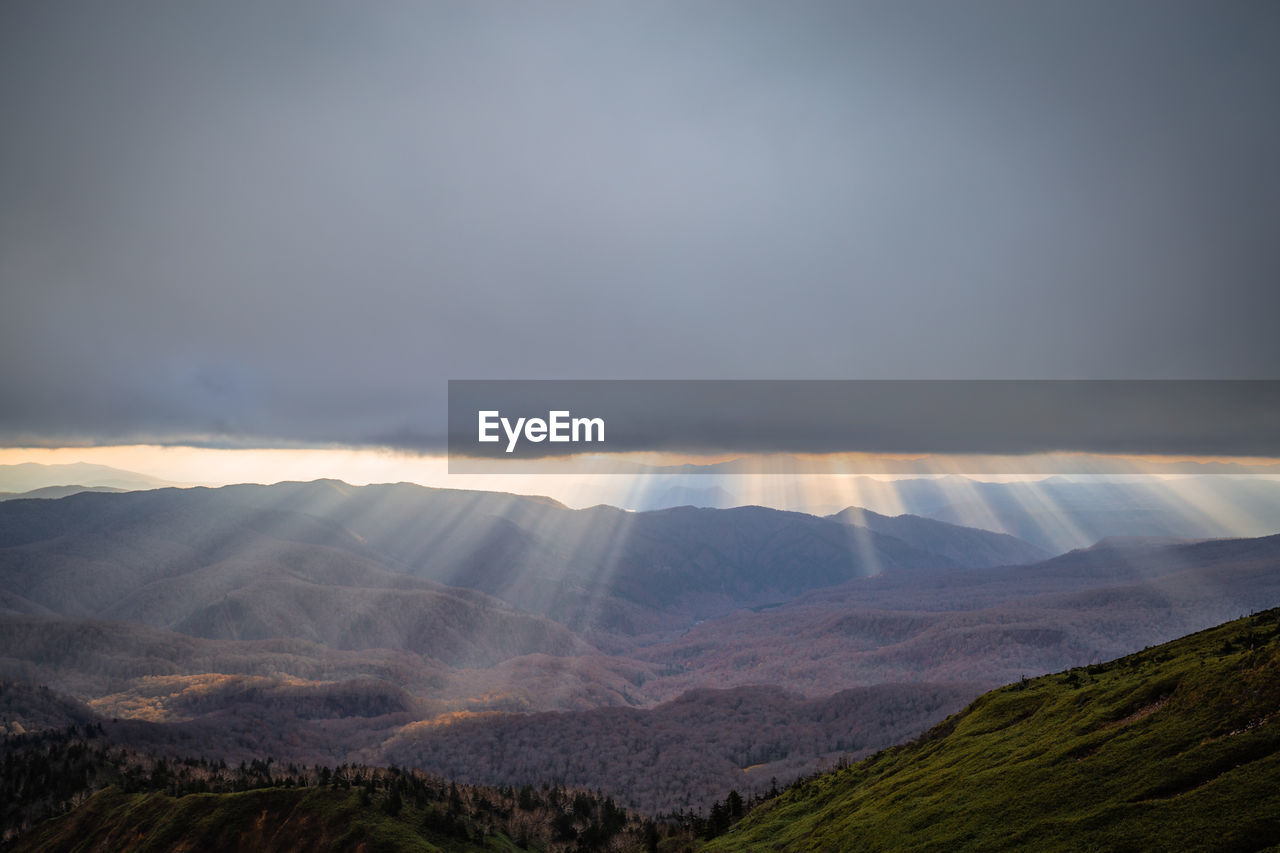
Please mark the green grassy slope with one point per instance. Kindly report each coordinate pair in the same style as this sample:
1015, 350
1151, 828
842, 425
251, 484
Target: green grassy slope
1174, 748
277, 819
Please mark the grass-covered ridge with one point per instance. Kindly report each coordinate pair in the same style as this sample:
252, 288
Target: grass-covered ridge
1176, 747
266, 819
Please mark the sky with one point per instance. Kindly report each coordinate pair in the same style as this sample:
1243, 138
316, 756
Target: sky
288, 225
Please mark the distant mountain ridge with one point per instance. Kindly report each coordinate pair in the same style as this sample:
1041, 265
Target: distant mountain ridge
55, 492
598, 569
1059, 513
26, 476
970, 547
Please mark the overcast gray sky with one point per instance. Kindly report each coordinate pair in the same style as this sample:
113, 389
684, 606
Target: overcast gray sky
252, 222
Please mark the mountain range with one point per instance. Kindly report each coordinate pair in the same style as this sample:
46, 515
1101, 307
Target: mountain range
487, 635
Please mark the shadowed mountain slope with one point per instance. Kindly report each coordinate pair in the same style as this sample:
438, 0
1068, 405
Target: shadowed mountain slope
601, 567
182, 557
970, 547
261, 589
981, 624
683, 754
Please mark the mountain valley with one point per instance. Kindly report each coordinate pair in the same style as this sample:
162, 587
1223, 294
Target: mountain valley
483, 636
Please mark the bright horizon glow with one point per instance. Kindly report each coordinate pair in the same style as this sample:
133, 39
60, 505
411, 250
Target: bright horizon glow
207, 466
833, 488
202, 466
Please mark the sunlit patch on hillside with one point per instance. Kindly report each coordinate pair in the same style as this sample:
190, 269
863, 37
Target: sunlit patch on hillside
446, 719
173, 698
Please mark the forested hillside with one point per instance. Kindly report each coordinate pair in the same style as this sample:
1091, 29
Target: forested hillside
71, 789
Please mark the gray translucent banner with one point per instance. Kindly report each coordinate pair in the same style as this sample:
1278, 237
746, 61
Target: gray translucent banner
575, 426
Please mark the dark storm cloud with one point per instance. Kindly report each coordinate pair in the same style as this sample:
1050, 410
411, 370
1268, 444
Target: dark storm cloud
266, 223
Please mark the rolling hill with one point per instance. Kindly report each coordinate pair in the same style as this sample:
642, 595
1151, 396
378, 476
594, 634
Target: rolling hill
95, 796
268, 819
1176, 747
682, 754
